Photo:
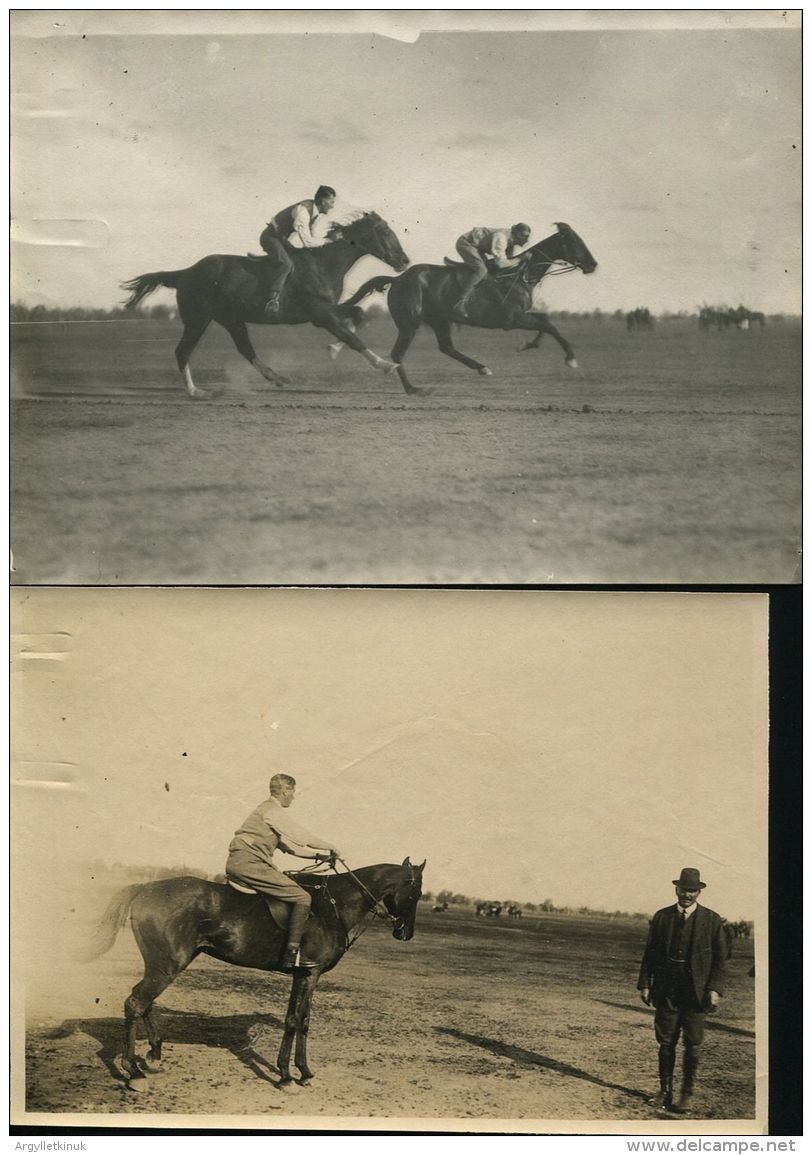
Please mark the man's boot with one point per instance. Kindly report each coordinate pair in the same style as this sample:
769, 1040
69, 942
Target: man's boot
690, 1063
299, 914
272, 305
461, 307
664, 1098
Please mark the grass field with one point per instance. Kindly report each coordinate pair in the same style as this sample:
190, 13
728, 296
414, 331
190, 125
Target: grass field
671, 456
473, 1019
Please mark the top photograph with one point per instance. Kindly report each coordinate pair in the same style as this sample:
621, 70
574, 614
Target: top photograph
319, 298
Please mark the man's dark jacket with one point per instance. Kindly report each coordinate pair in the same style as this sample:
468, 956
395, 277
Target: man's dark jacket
706, 955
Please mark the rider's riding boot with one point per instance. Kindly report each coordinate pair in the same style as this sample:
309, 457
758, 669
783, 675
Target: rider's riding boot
665, 1096
461, 306
299, 914
690, 1063
272, 305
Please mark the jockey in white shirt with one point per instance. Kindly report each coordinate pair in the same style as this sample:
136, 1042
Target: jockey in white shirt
294, 226
483, 243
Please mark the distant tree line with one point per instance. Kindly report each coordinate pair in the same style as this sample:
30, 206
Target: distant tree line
545, 907
21, 312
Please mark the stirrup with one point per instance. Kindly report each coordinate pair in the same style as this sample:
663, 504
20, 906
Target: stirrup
271, 307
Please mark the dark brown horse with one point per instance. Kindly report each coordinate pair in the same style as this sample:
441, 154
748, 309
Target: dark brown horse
230, 290
428, 293
176, 919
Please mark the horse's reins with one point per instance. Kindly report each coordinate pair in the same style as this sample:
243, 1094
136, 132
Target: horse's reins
521, 271
377, 903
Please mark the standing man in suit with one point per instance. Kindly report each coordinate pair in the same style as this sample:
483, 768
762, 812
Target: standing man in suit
682, 976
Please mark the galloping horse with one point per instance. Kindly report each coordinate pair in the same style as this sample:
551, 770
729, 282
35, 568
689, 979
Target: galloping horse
176, 919
502, 301
229, 290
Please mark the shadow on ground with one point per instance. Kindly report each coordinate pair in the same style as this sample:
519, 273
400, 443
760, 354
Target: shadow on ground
711, 1023
250, 1038
532, 1059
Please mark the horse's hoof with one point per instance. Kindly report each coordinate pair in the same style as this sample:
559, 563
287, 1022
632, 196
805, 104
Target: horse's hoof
152, 1066
200, 394
417, 391
389, 367
485, 371
572, 363
137, 1086
334, 350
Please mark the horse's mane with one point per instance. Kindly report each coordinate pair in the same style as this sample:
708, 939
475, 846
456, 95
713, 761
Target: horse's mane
348, 216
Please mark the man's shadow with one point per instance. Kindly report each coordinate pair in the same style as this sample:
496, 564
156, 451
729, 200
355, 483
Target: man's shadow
532, 1059
250, 1038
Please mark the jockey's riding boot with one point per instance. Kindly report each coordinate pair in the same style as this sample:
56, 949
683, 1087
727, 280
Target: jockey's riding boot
690, 1063
461, 307
272, 305
664, 1098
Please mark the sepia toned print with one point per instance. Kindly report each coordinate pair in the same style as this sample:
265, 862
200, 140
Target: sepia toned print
504, 789
405, 298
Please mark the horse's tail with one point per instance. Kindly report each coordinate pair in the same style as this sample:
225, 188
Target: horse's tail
375, 285
140, 287
110, 923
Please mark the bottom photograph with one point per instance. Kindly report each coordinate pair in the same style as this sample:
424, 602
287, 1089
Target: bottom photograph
452, 860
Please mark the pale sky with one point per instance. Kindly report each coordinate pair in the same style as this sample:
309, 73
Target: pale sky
530, 745
676, 154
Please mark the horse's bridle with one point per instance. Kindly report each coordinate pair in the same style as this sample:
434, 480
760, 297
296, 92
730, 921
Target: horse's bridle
377, 903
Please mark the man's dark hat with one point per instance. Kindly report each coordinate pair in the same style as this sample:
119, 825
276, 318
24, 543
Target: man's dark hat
689, 879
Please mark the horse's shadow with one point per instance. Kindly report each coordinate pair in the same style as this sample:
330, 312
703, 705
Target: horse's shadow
245, 1036
532, 1059
711, 1024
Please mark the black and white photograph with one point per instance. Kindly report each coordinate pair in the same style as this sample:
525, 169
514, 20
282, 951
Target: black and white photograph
404, 860
405, 298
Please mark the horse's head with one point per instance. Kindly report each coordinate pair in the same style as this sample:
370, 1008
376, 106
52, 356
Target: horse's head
564, 246
575, 251
402, 899
373, 237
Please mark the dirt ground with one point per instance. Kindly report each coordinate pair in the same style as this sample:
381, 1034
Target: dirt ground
671, 456
473, 1019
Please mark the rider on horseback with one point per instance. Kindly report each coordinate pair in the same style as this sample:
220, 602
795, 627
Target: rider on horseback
496, 245
292, 226
250, 856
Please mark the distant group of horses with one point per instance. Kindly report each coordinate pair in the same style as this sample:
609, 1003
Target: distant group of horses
494, 909
721, 317
639, 318
734, 930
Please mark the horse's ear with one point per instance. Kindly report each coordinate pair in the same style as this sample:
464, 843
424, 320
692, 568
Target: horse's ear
406, 861
562, 227
420, 867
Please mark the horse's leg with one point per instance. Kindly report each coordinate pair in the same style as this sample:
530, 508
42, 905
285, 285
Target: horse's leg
541, 323
534, 344
309, 986
333, 322
138, 1006
406, 334
292, 1016
442, 331
192, 332
354, 320
239, 335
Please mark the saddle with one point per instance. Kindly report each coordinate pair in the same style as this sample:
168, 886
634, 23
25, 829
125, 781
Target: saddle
279, 911
494, 273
